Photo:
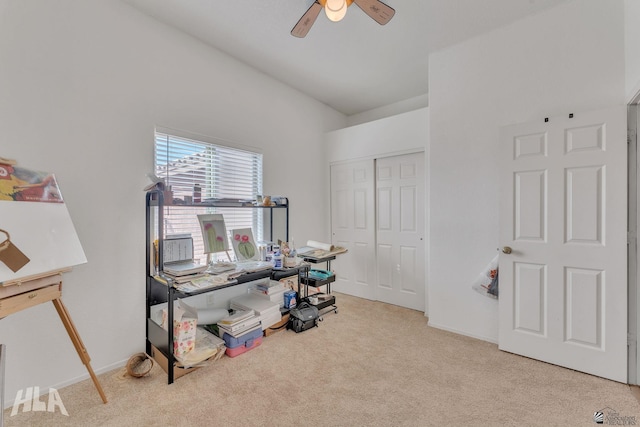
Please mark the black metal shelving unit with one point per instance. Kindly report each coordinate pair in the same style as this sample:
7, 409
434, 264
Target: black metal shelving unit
159, 342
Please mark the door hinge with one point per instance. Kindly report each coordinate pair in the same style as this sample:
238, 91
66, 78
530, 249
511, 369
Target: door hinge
631, 340
631, 238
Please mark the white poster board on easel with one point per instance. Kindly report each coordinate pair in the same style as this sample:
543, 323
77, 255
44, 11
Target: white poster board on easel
35, 217
38, 243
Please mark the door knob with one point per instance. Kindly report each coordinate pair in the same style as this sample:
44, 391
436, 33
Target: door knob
506, 250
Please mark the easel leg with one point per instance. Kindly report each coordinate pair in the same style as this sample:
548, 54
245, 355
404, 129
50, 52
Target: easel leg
77, 343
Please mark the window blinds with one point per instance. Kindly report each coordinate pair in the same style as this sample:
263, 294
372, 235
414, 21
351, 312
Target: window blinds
220, 172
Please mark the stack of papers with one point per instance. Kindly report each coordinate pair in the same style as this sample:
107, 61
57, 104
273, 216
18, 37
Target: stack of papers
269, 287
221, 267
268, 311
271, 290
253, 266
207, 347
239, 323
183, 268
204, 282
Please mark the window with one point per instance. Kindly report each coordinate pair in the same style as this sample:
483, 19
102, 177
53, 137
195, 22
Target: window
221, 172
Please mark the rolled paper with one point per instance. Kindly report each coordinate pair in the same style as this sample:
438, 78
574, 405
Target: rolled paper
324, 246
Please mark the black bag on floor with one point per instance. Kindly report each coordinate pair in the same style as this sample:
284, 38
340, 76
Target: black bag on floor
303, 317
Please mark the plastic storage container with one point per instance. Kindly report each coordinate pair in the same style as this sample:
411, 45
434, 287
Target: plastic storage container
238, 345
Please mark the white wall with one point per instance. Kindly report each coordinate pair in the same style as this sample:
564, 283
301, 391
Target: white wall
567, 59
397, 134
632, 47
82, 86
407, 105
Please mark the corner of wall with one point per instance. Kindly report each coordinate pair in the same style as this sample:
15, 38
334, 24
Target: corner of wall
394, 109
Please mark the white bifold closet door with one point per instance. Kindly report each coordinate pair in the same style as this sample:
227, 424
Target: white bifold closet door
400, 243
353, 227
378, 214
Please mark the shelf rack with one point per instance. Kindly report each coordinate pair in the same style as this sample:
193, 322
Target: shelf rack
307, 281
159, 342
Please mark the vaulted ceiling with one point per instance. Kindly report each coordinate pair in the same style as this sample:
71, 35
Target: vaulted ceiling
354, 65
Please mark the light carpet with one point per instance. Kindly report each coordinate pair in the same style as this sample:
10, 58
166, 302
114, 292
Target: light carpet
371, 364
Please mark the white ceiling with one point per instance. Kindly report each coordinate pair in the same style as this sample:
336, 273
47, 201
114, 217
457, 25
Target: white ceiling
354, 65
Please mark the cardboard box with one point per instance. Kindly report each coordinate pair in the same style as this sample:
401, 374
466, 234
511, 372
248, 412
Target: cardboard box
291, 282
161, 360
277, 327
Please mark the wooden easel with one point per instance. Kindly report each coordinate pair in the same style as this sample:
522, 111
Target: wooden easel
17, 295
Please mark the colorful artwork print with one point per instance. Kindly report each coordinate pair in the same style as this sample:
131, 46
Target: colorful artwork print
243, 244
24, 185
214, 233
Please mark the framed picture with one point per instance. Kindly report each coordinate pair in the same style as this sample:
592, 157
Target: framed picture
214, 233
243, 244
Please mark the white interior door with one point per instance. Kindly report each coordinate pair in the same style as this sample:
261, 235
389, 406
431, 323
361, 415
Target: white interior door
400, 239
563, 212
353, 227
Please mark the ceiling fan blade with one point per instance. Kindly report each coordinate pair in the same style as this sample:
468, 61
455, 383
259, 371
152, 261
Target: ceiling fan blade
379, 11
304, 24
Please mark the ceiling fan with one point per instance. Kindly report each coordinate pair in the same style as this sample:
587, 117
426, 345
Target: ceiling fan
336, 9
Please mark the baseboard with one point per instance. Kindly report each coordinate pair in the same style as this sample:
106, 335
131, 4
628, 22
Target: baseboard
466, 334
635, 391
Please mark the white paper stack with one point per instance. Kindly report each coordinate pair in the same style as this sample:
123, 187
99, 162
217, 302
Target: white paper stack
277, 297
239, 323
268, 311
270, 290
184, 268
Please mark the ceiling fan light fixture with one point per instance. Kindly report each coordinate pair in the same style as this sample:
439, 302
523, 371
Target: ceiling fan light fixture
335, 9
